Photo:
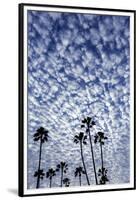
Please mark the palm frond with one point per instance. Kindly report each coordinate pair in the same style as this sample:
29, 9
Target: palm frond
84, 142
76, 141
93, 123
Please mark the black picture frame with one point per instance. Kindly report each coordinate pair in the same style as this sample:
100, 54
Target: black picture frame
21, 98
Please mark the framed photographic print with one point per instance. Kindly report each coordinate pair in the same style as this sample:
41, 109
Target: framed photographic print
76, 99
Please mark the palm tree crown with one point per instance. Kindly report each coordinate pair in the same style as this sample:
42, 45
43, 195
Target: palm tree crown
88, 121
103, 174
99, 137
62, 165
66, 181
79, 171
39, 173
41, 134
50, 173
80, 138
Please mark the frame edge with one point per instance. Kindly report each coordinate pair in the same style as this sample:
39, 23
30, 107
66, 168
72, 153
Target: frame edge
20, 101
76, 7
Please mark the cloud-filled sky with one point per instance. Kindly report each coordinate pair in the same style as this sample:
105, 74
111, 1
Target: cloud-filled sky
78, 66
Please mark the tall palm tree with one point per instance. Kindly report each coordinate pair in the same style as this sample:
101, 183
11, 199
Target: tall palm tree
81, 139
42, 136
88, 123
78, 172
62, 167
49, 174
99, 137
66, 181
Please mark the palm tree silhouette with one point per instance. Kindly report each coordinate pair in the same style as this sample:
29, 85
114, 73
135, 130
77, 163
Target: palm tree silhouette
88, 123
99, 137
63, 167
49, 174
42, 136
81, 139
66, 181
103, 176
39, 174
78, 172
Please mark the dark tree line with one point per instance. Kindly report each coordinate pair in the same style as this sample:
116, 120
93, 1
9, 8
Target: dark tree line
87, 133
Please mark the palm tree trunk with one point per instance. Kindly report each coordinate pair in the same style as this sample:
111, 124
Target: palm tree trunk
61, 177
38, 178
50, 182
101, 157
80, 180
93, 160
84, 163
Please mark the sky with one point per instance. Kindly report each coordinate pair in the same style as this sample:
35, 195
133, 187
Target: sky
78, 66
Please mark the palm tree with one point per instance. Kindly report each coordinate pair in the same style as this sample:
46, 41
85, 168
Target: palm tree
99, 137
103, 176
78, 172
88, 123
81, 139
49, 174
39, 174
63, 167
42, 136
66, 181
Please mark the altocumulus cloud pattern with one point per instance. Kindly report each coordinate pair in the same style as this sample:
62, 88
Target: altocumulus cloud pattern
78, 66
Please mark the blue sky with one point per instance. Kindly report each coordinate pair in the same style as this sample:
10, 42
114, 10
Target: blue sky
78, 65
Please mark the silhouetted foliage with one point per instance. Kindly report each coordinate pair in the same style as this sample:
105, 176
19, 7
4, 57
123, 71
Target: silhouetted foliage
49, 174
88, 123
42, 136
78, 172
66, 182
81, 139
62, 167
39, 173
103, 176
100, 138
